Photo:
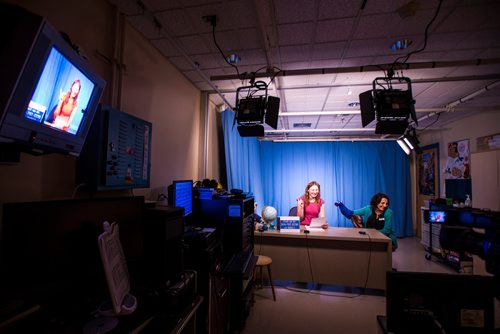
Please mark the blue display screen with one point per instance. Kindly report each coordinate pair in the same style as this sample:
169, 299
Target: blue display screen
437, 216
61, 96
183, 195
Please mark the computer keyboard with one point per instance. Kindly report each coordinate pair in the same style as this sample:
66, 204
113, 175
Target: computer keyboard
238, 263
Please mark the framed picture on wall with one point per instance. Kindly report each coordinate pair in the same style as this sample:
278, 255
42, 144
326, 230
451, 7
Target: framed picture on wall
428, 165
457, 161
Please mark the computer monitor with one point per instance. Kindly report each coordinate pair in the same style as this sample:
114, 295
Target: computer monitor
419, 302
180, 194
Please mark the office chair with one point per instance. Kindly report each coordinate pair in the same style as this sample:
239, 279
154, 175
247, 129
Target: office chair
293, 211
357, 221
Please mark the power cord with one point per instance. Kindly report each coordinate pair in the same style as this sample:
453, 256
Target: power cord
369, 257
425, 36
213, 22
306, 233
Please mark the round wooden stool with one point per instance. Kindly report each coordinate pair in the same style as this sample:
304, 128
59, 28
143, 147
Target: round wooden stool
265, 261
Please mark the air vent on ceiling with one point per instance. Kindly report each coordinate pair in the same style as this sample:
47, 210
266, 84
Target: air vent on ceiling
301, 125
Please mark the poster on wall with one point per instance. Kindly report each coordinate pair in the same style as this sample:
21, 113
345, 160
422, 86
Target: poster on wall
457, 161
428, 162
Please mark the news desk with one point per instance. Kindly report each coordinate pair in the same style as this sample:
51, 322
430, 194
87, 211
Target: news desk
337, 256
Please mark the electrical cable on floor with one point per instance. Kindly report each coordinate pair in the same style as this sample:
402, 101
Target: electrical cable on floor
369, 259
306, 233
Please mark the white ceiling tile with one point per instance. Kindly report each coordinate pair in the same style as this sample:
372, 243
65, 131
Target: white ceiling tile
288, 11
334, 30
294, 53
325, 63
339, 8
193, 75
176, 22
234, 40
181, 63
292, 34
319, 79
328, 50
473, 16
252, 57
288, 66
160, 5
126, 6
165, 47
146, 27
193, 44
230, 15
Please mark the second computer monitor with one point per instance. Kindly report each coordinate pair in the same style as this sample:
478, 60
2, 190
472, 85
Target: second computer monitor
181, 195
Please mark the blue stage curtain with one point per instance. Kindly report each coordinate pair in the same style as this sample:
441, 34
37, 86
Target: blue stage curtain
242, 160
351, 172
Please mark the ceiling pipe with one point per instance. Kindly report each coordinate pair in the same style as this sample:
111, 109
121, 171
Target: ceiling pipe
321, 139
413, 81
342, 112
472, 95
367, 68
320, 130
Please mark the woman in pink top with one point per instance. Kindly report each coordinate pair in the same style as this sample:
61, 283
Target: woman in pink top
310, 205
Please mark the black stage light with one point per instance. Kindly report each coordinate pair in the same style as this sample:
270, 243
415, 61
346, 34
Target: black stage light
250, 110
391, 107
251, 130
395, 127
254, 109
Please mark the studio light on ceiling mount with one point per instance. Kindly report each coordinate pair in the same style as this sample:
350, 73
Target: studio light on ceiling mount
392, 107
254, 108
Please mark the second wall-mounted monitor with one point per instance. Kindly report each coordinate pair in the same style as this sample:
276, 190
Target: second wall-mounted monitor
117, 153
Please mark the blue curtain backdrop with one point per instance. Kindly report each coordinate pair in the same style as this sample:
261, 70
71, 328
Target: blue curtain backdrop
351, 172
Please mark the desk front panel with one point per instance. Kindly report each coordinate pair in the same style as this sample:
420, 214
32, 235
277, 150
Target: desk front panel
338, 256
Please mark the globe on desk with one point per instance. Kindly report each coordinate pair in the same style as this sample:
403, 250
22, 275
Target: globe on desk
269, 215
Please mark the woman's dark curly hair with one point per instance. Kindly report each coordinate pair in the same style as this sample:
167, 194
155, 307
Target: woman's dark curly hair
377, 198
